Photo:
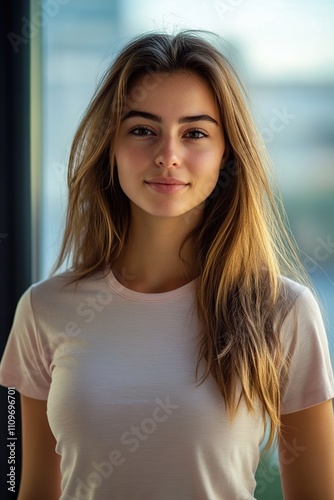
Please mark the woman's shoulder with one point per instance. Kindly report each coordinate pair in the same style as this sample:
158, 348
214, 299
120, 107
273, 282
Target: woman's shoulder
291, 290
61, 288
301, 305
55, 284
295, 300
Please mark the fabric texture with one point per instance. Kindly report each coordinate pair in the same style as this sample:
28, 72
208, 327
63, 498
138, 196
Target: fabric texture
117, 368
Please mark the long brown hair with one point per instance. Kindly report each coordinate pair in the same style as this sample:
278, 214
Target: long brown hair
242, 245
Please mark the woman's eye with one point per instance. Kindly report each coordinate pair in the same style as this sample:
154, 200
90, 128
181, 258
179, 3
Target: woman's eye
141, 131
196, 134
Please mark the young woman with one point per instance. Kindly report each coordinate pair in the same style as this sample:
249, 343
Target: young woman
183, 328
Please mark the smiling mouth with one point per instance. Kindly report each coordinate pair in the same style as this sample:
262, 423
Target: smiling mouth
166, 180
166, 187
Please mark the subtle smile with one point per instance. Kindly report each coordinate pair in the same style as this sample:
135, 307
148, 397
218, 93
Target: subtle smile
166, 184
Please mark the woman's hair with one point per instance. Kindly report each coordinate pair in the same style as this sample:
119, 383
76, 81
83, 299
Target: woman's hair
241, 245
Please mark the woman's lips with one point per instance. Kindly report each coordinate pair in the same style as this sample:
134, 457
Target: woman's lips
166, 184
166, 188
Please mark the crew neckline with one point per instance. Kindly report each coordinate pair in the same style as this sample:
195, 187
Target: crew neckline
148, 297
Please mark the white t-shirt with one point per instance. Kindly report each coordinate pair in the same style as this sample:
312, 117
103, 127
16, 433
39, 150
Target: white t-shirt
117, 368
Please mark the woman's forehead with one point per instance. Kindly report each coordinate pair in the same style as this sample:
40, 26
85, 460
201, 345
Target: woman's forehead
183, 91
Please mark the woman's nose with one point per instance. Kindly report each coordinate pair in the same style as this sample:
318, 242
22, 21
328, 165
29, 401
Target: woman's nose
167, 154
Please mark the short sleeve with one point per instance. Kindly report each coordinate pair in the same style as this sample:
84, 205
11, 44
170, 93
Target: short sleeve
310, 379
24, 364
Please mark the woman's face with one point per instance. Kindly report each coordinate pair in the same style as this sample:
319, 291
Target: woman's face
170, 146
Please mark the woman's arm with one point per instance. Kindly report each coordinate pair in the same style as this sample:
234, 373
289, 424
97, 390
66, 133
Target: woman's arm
306, 453
41, 478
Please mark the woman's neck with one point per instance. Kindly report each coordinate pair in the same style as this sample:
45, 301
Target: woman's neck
150, 261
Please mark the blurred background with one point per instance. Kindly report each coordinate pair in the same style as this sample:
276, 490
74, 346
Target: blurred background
283, 50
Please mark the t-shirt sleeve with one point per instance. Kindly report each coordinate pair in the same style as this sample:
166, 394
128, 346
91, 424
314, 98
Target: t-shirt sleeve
25, 364
310, 379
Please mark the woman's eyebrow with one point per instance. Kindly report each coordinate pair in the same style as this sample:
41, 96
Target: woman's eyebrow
157, 118
198, 118
142, 114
